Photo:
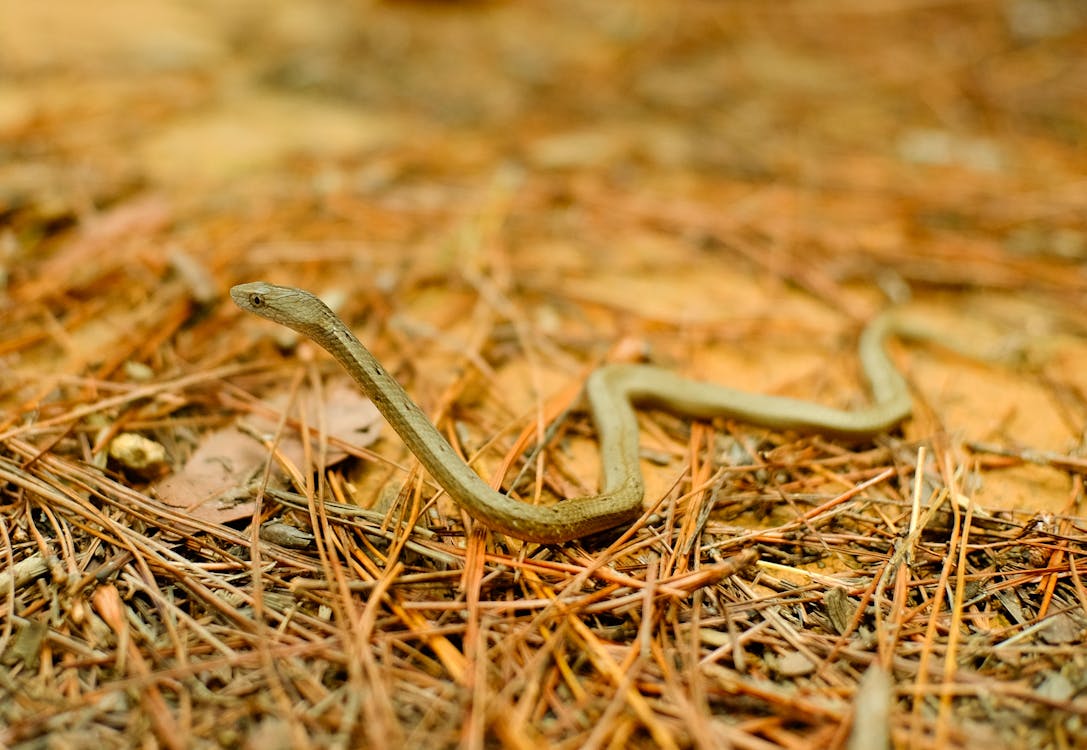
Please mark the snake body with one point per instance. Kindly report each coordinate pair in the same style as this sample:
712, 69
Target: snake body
612, 392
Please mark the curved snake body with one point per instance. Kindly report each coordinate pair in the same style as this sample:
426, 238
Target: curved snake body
612, 392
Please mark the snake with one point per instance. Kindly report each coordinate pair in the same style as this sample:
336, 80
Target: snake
612, 391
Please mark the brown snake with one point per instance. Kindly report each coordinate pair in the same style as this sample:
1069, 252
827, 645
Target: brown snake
612, 391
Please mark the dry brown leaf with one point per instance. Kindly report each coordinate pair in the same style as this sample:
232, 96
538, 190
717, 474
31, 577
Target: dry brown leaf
222, 466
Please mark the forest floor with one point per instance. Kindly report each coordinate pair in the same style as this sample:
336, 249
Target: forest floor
212, 539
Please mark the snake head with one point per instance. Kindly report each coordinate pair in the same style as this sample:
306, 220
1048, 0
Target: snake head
285, 305
255, 296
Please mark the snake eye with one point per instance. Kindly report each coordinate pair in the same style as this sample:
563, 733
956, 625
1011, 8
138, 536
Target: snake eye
256, 300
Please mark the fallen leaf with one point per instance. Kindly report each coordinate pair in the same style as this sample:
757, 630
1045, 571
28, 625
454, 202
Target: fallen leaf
212, 484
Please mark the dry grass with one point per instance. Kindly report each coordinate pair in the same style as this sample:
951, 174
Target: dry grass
494, 238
